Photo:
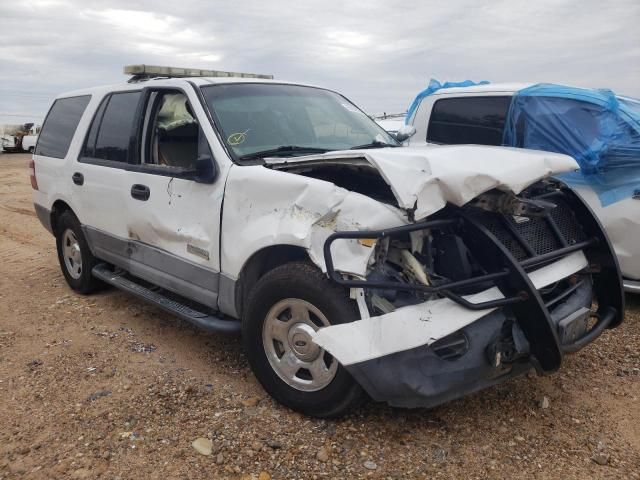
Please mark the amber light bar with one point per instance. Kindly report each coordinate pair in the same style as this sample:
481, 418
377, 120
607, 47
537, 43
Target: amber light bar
176, 72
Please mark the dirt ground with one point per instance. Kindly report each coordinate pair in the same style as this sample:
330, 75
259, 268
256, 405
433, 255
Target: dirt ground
107, 386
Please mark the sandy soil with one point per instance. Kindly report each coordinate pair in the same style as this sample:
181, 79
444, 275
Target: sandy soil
106, 386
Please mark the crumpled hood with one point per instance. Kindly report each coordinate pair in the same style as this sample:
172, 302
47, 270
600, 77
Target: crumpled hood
428, 177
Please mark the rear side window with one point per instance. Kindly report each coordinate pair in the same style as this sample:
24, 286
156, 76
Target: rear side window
112, 128
60, 125
478, 120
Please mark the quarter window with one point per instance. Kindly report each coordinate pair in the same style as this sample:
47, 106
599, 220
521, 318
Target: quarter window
478, 120
60, 125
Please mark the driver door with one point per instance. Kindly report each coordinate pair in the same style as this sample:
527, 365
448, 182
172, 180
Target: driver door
173, 218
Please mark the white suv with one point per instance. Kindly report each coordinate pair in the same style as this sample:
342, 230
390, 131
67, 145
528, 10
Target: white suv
416, 275
561, 122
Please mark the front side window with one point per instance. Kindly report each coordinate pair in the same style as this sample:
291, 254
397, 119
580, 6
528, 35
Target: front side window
112, 129
60, 125
477, 120
173, 131
256, 118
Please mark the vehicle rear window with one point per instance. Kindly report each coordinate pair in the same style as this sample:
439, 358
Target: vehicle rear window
478, 120
60, 125
592, 134
112, 128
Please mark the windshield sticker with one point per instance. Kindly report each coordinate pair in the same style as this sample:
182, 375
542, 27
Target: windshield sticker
237, 138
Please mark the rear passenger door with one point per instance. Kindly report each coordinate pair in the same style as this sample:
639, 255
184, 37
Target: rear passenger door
99, 176
470, 119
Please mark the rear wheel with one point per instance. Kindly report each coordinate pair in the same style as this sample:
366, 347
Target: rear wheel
74, 255
284, 310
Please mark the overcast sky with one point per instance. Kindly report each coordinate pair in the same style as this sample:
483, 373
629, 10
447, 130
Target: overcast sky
379, 53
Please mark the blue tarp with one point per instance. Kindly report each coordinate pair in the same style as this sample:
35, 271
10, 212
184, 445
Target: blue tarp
435, 85
597, 128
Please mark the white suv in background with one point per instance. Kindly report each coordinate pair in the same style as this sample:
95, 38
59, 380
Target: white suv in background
283, 212
478, 115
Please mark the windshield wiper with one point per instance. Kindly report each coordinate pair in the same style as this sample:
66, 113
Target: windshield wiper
374, 144
283, 150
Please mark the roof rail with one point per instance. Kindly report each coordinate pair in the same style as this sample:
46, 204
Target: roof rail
145, 72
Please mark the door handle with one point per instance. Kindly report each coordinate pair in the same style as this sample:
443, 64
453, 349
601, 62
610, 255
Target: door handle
140, 192
78, 178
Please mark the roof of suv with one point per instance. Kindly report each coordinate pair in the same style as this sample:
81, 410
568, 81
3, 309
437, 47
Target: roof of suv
200, 81
490, 87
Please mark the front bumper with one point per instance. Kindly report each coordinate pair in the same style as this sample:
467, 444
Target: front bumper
431, 375
524, 328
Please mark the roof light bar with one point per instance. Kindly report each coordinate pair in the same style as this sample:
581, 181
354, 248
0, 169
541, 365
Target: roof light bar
149, 71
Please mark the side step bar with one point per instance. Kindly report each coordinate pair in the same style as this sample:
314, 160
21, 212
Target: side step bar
200, 319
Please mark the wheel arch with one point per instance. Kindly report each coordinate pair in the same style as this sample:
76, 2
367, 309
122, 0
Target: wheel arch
57, 209
261, 262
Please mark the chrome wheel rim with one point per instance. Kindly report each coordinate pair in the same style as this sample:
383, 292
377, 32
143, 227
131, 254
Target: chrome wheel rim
72, 254
286, 336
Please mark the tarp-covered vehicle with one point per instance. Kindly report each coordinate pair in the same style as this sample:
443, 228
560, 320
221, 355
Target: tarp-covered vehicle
598, 128
416, 275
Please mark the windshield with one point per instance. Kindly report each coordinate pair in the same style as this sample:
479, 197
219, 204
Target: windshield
289, 119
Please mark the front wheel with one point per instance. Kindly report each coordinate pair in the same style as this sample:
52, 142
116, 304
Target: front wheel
285, 308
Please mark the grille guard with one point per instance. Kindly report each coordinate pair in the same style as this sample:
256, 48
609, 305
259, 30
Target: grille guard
509, 275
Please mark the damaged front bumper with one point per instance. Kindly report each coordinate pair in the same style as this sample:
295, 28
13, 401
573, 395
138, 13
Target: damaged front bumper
517, 318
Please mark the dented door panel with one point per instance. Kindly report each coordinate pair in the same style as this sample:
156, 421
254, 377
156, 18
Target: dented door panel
181, 217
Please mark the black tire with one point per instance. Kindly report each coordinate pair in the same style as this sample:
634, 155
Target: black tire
302, 281
85, 283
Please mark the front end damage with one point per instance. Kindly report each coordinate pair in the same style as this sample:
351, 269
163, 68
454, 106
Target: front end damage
474, 295
490, 269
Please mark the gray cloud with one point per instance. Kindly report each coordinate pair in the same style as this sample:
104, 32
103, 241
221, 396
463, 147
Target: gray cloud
379, 53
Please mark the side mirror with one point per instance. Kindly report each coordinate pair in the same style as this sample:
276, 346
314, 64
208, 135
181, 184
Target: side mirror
206, 171
405, 132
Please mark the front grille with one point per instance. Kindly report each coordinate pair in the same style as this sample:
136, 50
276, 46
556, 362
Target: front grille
525, 237
495, 224
538, 234
566, 221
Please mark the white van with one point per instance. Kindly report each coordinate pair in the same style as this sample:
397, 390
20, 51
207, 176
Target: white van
350, 267
29, 141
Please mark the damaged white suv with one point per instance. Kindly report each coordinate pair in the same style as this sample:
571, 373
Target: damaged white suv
413, 275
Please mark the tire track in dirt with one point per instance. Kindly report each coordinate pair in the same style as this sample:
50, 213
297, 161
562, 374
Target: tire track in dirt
20, 261
82, 401
19, 223
20, 210
22, 239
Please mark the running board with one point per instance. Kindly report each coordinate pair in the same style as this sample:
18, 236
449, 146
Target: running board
200, 319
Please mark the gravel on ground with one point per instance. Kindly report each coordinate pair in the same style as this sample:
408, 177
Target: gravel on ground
106, 386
